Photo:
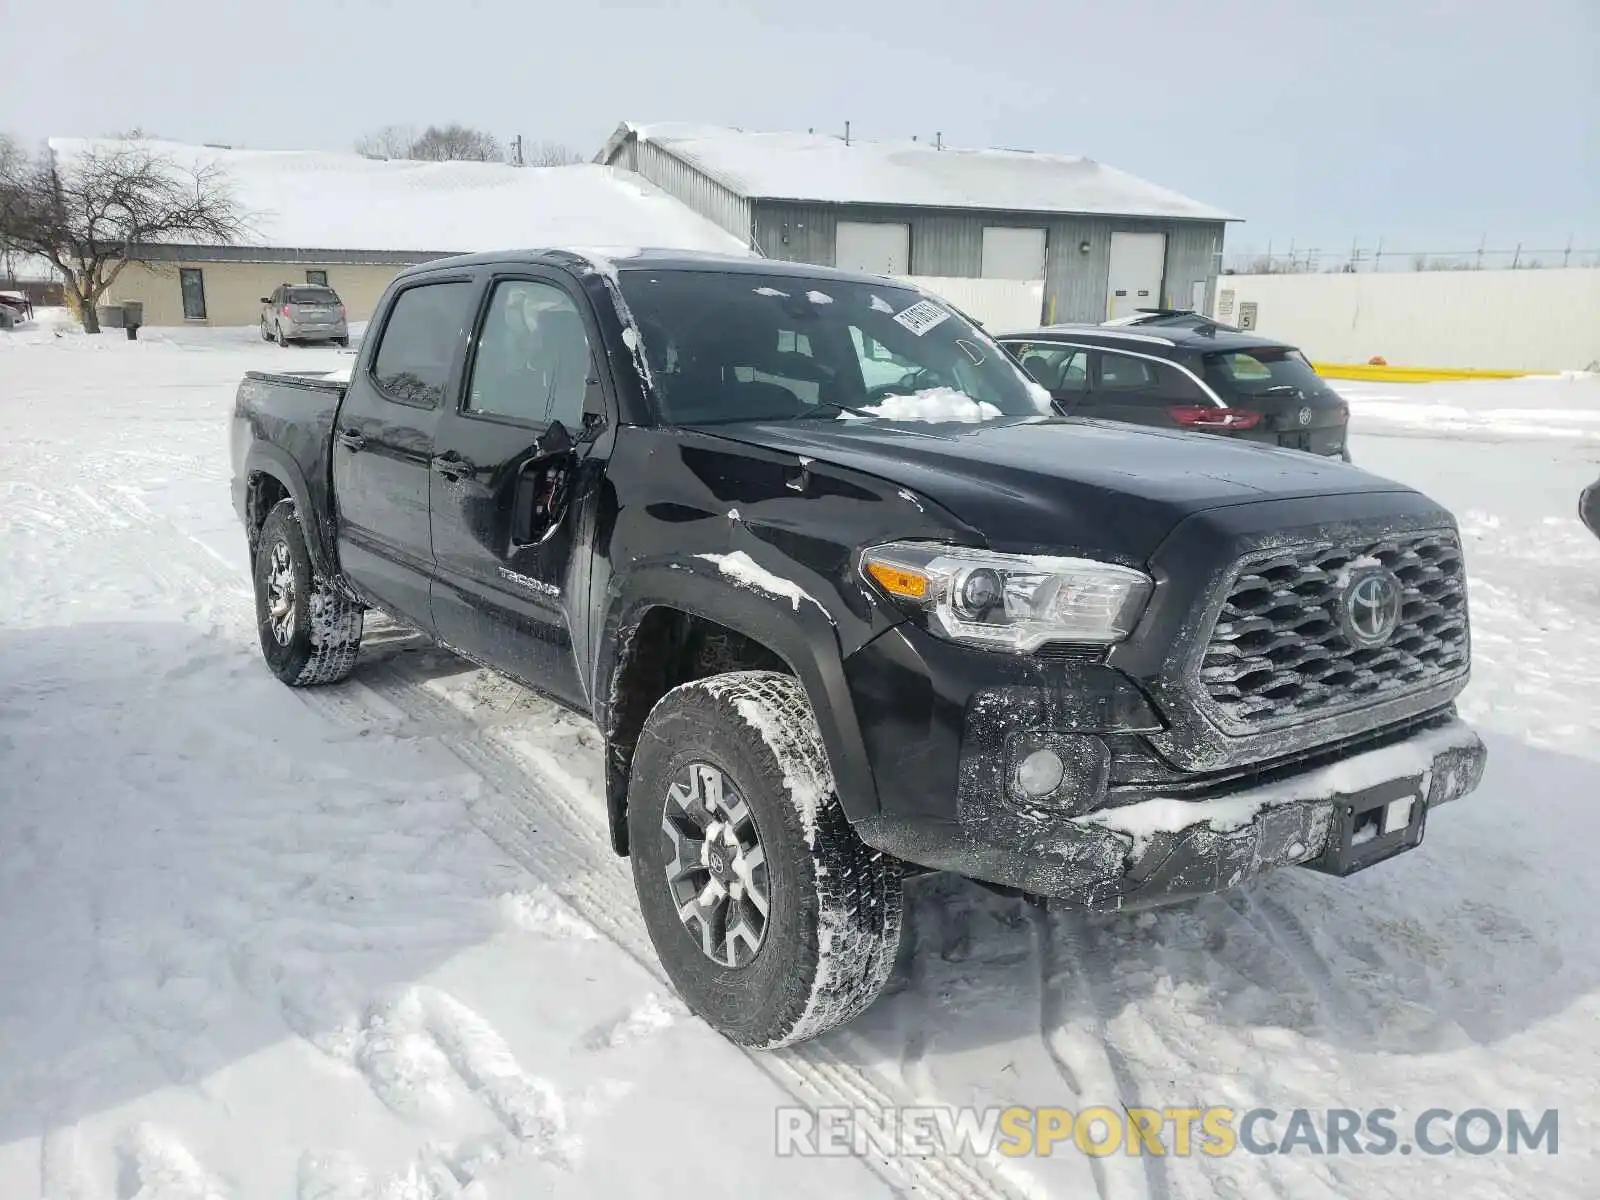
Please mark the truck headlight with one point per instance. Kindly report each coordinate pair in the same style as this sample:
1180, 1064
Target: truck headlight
1015, 602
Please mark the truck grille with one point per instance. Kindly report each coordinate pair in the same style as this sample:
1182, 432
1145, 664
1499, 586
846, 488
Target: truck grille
1278, 652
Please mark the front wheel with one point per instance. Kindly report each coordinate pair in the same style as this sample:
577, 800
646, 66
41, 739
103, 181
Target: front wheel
774, 922
310, 632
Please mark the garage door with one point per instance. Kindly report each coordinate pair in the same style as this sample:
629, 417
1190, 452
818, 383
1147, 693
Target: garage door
1013, 253
876, 247
1138, 263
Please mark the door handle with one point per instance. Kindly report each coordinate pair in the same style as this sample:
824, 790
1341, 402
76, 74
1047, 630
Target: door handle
452, 466
351, 440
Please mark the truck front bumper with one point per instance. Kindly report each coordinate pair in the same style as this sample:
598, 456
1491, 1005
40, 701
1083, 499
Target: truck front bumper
945, 744
1340, 818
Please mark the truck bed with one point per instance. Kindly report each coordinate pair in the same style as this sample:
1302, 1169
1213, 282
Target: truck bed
315, 380
288, 416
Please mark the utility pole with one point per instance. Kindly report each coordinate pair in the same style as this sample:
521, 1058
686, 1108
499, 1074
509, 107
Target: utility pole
847, 133
516, 148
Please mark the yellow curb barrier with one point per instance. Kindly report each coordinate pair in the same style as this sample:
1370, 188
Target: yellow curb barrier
1388, 374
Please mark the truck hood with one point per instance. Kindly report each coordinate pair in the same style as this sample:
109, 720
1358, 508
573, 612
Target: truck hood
1097, 488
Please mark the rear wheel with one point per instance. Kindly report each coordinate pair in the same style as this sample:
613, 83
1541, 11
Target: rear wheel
773, 920
310, 632
266, 334
282, 341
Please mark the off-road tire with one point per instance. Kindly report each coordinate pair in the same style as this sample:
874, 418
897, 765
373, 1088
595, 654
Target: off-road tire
326, 635
835, 905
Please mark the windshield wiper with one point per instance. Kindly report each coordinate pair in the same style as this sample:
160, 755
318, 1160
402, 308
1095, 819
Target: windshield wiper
835, 406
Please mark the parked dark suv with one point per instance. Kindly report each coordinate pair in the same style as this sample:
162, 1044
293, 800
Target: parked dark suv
1207, 379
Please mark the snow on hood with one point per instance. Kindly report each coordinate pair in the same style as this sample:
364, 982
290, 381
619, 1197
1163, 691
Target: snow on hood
931, 405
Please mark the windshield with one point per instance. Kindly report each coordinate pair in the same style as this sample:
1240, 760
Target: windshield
1247, 372
737, 346
312, 295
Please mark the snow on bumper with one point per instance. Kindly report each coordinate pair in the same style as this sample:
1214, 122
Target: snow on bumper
1162, 850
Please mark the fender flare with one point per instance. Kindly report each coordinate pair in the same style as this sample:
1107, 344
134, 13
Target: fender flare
266, 459
803, 633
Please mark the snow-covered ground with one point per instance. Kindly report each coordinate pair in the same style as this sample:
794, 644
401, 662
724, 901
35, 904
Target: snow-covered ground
369, 942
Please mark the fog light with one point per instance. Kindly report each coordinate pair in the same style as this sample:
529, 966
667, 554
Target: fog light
1041, 773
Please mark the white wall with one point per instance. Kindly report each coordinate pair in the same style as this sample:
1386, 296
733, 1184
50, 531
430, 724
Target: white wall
1540, 320
1000, 304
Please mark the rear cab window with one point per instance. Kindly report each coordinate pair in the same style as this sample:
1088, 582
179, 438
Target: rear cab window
421, 337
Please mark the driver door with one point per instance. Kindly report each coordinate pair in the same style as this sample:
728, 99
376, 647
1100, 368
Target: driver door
514, 482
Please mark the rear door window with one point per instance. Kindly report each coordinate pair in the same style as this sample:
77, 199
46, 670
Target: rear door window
420, 340
1124, 379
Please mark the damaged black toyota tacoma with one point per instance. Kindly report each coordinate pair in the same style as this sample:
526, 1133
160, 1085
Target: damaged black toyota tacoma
846, 602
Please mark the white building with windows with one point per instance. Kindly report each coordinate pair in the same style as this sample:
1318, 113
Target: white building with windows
1014, 237
353, 223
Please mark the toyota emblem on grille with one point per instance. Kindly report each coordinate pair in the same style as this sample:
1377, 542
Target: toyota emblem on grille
1370, 607
1305, 416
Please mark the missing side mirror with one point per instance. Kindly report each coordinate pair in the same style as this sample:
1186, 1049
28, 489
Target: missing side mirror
543, 484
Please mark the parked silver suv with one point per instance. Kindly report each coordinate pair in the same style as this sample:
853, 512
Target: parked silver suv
304, 312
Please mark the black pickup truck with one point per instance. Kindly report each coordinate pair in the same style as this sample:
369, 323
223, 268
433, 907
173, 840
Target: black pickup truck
847, 603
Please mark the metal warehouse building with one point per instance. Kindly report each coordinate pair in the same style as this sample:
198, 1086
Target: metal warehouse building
1013, 236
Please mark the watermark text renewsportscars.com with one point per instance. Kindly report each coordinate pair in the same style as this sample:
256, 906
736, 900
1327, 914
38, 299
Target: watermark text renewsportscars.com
1215, 1132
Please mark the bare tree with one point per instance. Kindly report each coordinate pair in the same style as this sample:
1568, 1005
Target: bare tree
552, 154
392, 141
449, 143
94, 213
11, 157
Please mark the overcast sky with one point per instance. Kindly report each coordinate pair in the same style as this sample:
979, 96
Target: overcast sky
1428, 122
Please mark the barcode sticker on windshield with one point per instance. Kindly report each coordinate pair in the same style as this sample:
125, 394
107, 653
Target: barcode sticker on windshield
922, 316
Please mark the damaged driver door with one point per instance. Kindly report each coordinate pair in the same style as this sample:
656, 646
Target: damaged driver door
514, 473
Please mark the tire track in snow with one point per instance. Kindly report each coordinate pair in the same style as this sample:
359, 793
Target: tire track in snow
1293, 941
557, 837
1068, 961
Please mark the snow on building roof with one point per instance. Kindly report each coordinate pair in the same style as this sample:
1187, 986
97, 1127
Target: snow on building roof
304, 199
822, 168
